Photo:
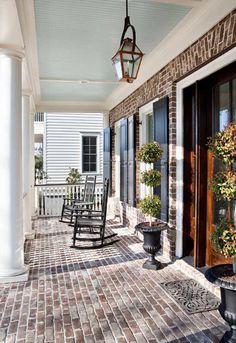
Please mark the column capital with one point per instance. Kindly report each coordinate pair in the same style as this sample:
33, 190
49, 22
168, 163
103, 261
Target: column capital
11, 51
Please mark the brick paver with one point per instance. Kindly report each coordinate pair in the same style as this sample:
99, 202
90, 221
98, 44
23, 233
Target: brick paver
100, 295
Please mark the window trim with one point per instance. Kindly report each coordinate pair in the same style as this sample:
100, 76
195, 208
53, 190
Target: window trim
98, 164
117, 157
145, 111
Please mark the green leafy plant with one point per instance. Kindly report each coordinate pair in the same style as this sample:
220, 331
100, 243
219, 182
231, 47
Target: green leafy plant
223, 145
151, 205
224, 185
38, 162
150, 152
224, 238
73, 176
151, 178
40, 174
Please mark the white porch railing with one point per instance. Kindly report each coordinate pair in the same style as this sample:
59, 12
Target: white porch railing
49, 197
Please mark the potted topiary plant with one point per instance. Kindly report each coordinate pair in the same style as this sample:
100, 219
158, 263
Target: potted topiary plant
151, 205
223, 146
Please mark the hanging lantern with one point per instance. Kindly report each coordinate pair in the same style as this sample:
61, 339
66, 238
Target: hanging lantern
128, 58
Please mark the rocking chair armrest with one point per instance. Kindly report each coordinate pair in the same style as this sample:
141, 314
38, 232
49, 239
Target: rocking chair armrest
91, 210
69, 199
83, 203
86, 213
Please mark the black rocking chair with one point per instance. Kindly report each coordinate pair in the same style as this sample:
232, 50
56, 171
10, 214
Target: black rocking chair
90, 222
71, 206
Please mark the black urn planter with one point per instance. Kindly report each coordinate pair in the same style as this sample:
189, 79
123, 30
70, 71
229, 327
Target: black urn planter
223, 276
151, 242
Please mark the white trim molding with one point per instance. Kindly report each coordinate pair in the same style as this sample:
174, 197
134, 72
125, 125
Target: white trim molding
72, 107
117, 157
205, 71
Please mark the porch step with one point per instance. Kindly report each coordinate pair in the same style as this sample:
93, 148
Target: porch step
197, 274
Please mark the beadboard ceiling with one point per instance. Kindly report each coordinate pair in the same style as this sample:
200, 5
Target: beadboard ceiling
77, 38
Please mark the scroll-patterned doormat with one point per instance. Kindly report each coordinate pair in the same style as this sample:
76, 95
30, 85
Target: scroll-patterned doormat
191, 296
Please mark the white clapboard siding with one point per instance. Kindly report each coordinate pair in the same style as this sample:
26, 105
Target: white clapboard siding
63, 132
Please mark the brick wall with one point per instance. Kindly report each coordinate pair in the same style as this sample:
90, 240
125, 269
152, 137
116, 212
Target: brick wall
215, 42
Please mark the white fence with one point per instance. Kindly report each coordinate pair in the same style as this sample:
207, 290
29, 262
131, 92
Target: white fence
49, 197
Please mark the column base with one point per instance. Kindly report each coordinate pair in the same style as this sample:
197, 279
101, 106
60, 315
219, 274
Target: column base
23, 276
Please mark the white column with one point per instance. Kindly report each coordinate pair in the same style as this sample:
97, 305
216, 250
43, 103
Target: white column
26, 151
11, 209
32, 190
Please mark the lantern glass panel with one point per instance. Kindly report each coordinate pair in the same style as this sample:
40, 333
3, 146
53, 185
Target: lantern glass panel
118, 67
131, 64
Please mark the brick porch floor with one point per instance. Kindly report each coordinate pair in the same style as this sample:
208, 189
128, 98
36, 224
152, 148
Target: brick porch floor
102, 295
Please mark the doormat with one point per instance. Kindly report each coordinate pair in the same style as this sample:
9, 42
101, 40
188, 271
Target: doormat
191, 296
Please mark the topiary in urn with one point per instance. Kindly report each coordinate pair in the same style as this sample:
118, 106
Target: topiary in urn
150, 206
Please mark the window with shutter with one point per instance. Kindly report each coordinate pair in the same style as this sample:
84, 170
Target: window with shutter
146, 136
107, 155
161, 135
89, 154
131, 161
127, 160
124, 160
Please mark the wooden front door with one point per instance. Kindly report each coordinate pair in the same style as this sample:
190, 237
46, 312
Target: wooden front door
209, 105
224, 112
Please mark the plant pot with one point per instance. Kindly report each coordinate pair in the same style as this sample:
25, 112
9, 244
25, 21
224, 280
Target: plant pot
151, 242
224, 277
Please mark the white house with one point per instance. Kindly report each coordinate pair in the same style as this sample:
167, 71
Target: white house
72, 140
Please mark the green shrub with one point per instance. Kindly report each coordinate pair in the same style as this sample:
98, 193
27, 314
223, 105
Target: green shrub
223, 145
150, 152
73, 176
151, 205
151, 178
224, 238
224, 185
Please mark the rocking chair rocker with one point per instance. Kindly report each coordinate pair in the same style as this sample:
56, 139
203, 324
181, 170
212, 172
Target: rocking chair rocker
90, 222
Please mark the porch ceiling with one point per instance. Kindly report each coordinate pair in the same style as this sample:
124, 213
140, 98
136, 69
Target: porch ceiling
76, 40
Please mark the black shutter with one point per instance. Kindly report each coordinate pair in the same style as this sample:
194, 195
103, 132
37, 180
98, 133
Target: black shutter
124, 160
107, 155
131, 161
161, 135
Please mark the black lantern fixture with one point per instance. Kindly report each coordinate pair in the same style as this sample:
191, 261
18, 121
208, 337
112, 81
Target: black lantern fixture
128, 58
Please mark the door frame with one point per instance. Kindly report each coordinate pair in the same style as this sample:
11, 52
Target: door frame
205, 71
